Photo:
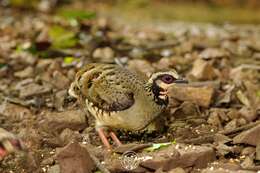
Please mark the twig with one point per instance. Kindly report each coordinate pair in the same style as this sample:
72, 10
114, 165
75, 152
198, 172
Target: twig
241, 128
249, 66
199, 140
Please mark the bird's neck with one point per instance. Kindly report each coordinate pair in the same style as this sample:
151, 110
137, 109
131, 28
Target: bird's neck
154, 90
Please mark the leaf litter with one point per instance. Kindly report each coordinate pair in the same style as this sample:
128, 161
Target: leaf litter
214, 120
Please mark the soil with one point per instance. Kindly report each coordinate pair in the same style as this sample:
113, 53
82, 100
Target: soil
212, 124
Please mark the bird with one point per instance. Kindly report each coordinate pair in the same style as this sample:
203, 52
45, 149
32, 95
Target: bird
121, 99
9, 143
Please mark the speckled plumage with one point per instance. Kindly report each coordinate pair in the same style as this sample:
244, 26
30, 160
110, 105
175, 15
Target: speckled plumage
116, 97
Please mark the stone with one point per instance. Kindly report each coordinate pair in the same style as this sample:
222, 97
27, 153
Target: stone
75, 158
248, 151
54, 169
14, 112
202, 96
211, 53
177, 170
251, 136
231, 125
257, 155
59, 80
57, 121
33, 89
182, 156
141, 66
247, 163
214, 119
203, 70
105, 54
59, 99
68, 135
25, 73
248, 114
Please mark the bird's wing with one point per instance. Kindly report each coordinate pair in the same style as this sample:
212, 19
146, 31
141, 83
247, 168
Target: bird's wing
106, 86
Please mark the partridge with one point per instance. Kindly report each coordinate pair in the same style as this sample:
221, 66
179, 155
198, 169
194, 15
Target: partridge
8, 143
121, 99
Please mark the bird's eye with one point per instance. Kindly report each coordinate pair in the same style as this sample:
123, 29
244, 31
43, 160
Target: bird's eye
167, 79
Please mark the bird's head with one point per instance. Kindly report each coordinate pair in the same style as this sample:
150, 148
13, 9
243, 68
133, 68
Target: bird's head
160, 82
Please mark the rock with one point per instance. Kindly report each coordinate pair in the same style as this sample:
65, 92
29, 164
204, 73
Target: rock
214, 119
251, 136
54, 169
220, 138
231, 125
165, 159
177, 170
247, 151
243, 98
24, 57
223, 149
203, 70
143, 67
67, 135
233, 114
25, 73
202, 96
183, 156
14, 112
59, 99
247, 163
248, 114
74, 158
257, 156
33, 89
105, 54
211, 53
72, 119
59, 80
130, 147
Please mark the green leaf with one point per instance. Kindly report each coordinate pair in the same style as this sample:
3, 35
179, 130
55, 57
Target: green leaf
258, 93
32, 48
62, 38
159, 146
69, 59
71, 14
2, 65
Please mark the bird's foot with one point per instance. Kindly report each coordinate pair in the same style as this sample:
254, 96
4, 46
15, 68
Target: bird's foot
115, 138
8, 143
104, 140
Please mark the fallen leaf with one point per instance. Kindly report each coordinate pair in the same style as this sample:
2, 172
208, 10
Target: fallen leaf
158, 146
69, 59
62, 38
242, 98
76, 14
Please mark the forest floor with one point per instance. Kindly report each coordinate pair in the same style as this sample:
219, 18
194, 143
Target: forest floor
211, 125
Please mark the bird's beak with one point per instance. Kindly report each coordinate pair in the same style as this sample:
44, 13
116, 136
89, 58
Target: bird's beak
180, 81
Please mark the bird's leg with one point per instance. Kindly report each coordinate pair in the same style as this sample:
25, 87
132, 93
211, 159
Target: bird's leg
8, 146
8, 143
3, 153
115, 139
103, 137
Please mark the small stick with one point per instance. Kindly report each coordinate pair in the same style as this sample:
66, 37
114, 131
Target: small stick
241, 128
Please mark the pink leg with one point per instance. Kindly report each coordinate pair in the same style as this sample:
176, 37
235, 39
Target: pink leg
103, 138
115, 139
3, 153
